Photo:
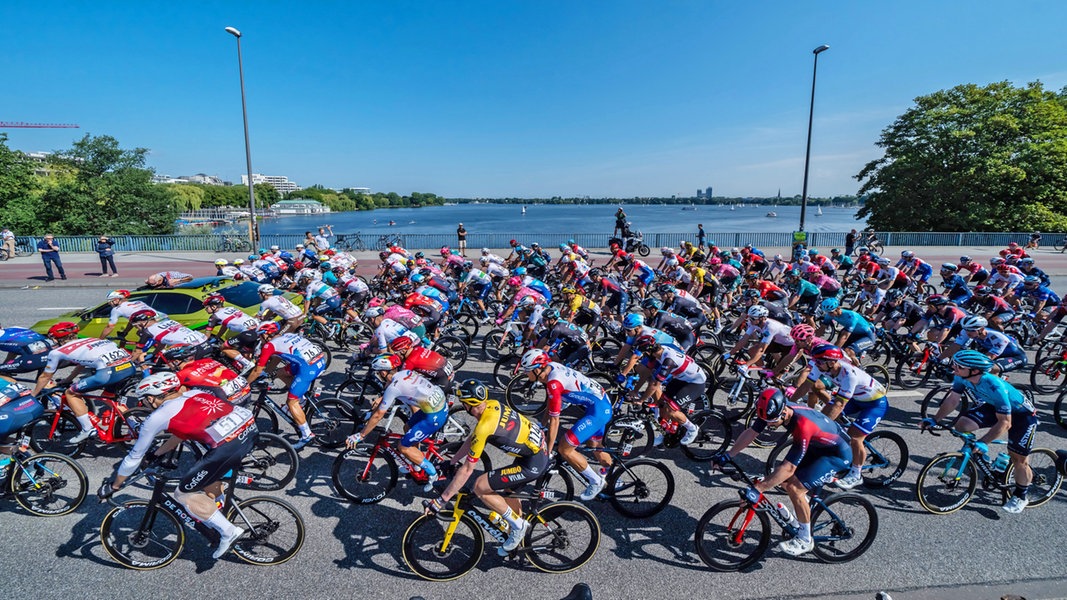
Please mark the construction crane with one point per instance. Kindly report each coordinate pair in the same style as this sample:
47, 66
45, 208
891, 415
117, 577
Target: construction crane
21, 125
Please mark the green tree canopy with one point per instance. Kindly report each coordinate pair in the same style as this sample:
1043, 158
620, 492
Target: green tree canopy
972, 158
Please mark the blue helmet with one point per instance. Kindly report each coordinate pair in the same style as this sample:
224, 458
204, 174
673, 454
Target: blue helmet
417, 278
520, 271
830, 305
972, 359
633, 320
253, 257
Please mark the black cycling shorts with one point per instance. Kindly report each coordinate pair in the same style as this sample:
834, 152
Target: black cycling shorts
218, 461
1020, 434
522, 471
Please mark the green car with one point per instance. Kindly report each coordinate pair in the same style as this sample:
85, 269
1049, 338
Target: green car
183, 303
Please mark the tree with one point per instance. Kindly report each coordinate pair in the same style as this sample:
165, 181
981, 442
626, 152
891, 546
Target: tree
972, 158
17, 180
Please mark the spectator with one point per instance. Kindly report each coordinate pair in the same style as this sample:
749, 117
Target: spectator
309, 241
620, 222
167, 279
850, 242
50, 254
461, 235
701, 236
107, 256
321, 240
7, 240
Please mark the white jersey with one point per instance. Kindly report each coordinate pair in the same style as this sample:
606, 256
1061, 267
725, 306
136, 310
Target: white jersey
252, 272
127, 308
853, 383
415, 391
496, 270
354, 284
675, 364
230, 271
478, 277
343, 260
93, 353
494, 259
170, 333
233, 319
387, 331
310, 274
772, 331
281, 306
320, 289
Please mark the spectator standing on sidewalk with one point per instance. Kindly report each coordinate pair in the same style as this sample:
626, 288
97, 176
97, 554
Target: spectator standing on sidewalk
50, 254
461, 235
309, 241
7, 239
107, 256
850, 242
322, 241
701, 237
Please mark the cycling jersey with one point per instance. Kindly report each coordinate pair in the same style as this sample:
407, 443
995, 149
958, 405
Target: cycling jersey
293, 349
387, 331
213, 377
771, 332
414, 390
403, 316
1000, 394
169, 333
429, 364
807, 289
127, 308
853, 383
1039, 293
580, 302
506, 429
281, 306
994, 343
254, 273
567, 386
233, 319
527, 292
92, 353
17, 408
354, 285
322, 291
674, 364
812, 432
850, 321
661, 337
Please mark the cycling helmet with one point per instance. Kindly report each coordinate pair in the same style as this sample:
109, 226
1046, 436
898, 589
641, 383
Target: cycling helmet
965, 259
299, 246
118, 294
835, 251
467, 265
568, 290
666, 251
725, 254
401, 342
996, 260
1032, 280
268, 328
894, 295
972, 359
757, 312
937, 300
214, 300
472, 392
325, 266
813, 252
645, 343
142, 316
983, 290
238, 262
550, 314
949, 267
571, 242
802, 332
222, 262
157, 384
906, 254
596, 272
375, 301
514, 282
862, 250
527, 301
386, 362
750, 294
830, 305
1026, 261
533, 359
714, 260
383, 254
778, 258
564, 247
298, 265
513, 243
870, 281
266, 288
253, 257
973, 323
520, 271
63, 329
667, 289
484, 260
275, 248
751, 275
812, 269
417, 278
338, 269
632, 321
445, 251
651, 304
373, 312
792, 273
1013, 244
770, 404
827, 352
535, 245
486, 252
179, 352
883, 261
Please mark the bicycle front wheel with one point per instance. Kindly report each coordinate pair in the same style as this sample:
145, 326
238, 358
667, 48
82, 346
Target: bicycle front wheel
714, 435
427, 552
731, 536
1049, 375
453, 349
640, 488
935, 398
562, 537
1047, 478
945, 485
887, 458
49, 485
271, 464
274, 530
525, 396
47, 434
331, 421
844, 527
363, 477
140, 541
631, 436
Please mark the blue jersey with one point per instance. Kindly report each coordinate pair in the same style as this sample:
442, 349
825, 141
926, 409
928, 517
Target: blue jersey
850, 321
957, 290
996, 392
1040, 293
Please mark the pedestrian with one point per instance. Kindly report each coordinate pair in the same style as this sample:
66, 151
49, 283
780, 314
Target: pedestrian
850, 242
461, 235
620, 223
322, 241
50, 254
701, 236
7, 239
107, 256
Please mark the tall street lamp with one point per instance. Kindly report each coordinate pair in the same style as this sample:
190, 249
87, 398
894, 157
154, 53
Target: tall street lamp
248, 147
807, 153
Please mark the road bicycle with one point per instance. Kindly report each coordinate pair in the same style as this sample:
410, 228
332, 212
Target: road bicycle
933, 400
113, 422
637, 488
270, 465
948, 481
145, 535
233, 244
330, 419
921, 368
349, 241
1049, 375
735, 534
46, 485
387, 241
560, 537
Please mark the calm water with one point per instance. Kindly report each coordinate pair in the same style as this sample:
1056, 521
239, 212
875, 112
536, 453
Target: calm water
599, 218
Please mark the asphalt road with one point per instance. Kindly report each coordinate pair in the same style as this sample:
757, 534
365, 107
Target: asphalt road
978, 552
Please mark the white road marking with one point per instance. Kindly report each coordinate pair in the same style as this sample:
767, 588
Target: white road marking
59, 307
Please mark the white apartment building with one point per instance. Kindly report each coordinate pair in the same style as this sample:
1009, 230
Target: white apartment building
280, 182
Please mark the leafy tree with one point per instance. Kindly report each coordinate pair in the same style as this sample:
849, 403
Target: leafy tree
972, 158
17, 180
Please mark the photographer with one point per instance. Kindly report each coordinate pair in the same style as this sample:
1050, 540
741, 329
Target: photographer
107, 256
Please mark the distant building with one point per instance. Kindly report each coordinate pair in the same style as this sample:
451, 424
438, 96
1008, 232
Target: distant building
302, 206
157, 178
700, 193
280, 182
205, 179
707, 193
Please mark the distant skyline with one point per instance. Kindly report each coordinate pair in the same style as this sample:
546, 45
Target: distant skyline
510, 99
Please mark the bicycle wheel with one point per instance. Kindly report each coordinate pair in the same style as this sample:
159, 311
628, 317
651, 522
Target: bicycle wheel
1046, 481
469, 324
844, 527
49, 485
331, 421
880, 354
48, 435
875, 246
729, 539
562, 537
945, 485
733, 397
504, 370
556, 485
495, 346
274, 530
136, 541
271, 464
356, 392
887, 459
640, 488
769, 437
525, 396
714, 436
912, 372
936, 397
629, 435
879, 373
426, 554
1049, 375
604, 352
364, 475
242, 245
453, 349
777, 455
1059, 412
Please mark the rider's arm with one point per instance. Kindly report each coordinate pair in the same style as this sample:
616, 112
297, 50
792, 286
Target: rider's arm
784, 471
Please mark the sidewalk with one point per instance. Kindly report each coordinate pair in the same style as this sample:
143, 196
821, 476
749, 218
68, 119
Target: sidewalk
83, 268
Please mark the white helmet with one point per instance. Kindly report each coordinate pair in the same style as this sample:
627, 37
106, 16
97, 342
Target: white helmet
973, 323
533, 359
157, 384
484, 260
222, 262
374, 311
118, 294
757, 312
266, 288
485, 251
274, 248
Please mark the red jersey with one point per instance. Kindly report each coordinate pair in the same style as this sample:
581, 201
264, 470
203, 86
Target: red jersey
211, 376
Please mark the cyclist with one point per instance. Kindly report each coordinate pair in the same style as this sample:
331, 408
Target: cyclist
426, 401
683, 304
773, 337
423, 361
820, 449
579, 309
17, 410
111, 366
228, 431
123, 308
567, 386
510, 432
1039, 295
804, 295
1006, 353
857, 334
228, 318
633, 326
303, 362
898, 311
155, 332
674, 380
566, 341
1027, 267
209, 375
272, 305
955, 285
992, 307
677, 326
1002, 409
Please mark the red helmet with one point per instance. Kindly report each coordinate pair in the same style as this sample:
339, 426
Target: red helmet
513, 243
268, 328
402, 342
827, 352
63, 329
214, 300
770, 404
142, 316
411, 299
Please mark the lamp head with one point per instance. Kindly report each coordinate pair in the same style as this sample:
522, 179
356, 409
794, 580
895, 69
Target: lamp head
822, 48
233, 31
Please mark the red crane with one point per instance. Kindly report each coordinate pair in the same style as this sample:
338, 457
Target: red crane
20, 124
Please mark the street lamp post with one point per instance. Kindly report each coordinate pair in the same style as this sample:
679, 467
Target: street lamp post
248, 147
807, 153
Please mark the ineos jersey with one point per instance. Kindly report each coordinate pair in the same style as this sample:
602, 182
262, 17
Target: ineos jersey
233, 319
127, 308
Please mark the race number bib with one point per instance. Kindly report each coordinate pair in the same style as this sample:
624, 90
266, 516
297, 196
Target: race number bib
228, 425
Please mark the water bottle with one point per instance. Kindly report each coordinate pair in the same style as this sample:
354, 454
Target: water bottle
788, 516
1001, 463
496, 519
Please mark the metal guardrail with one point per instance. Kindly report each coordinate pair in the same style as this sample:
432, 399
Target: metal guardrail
434, 241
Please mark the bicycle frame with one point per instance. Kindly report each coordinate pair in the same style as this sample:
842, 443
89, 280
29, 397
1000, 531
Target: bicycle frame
464, 505
104, 423
984, 467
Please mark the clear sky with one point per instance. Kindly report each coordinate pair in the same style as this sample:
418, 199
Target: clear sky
508, 98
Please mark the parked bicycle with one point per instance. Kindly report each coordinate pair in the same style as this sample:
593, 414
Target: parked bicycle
389, 240
349, 241
233, 244
46, 485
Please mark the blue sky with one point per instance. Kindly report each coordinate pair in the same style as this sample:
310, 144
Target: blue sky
507, 98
